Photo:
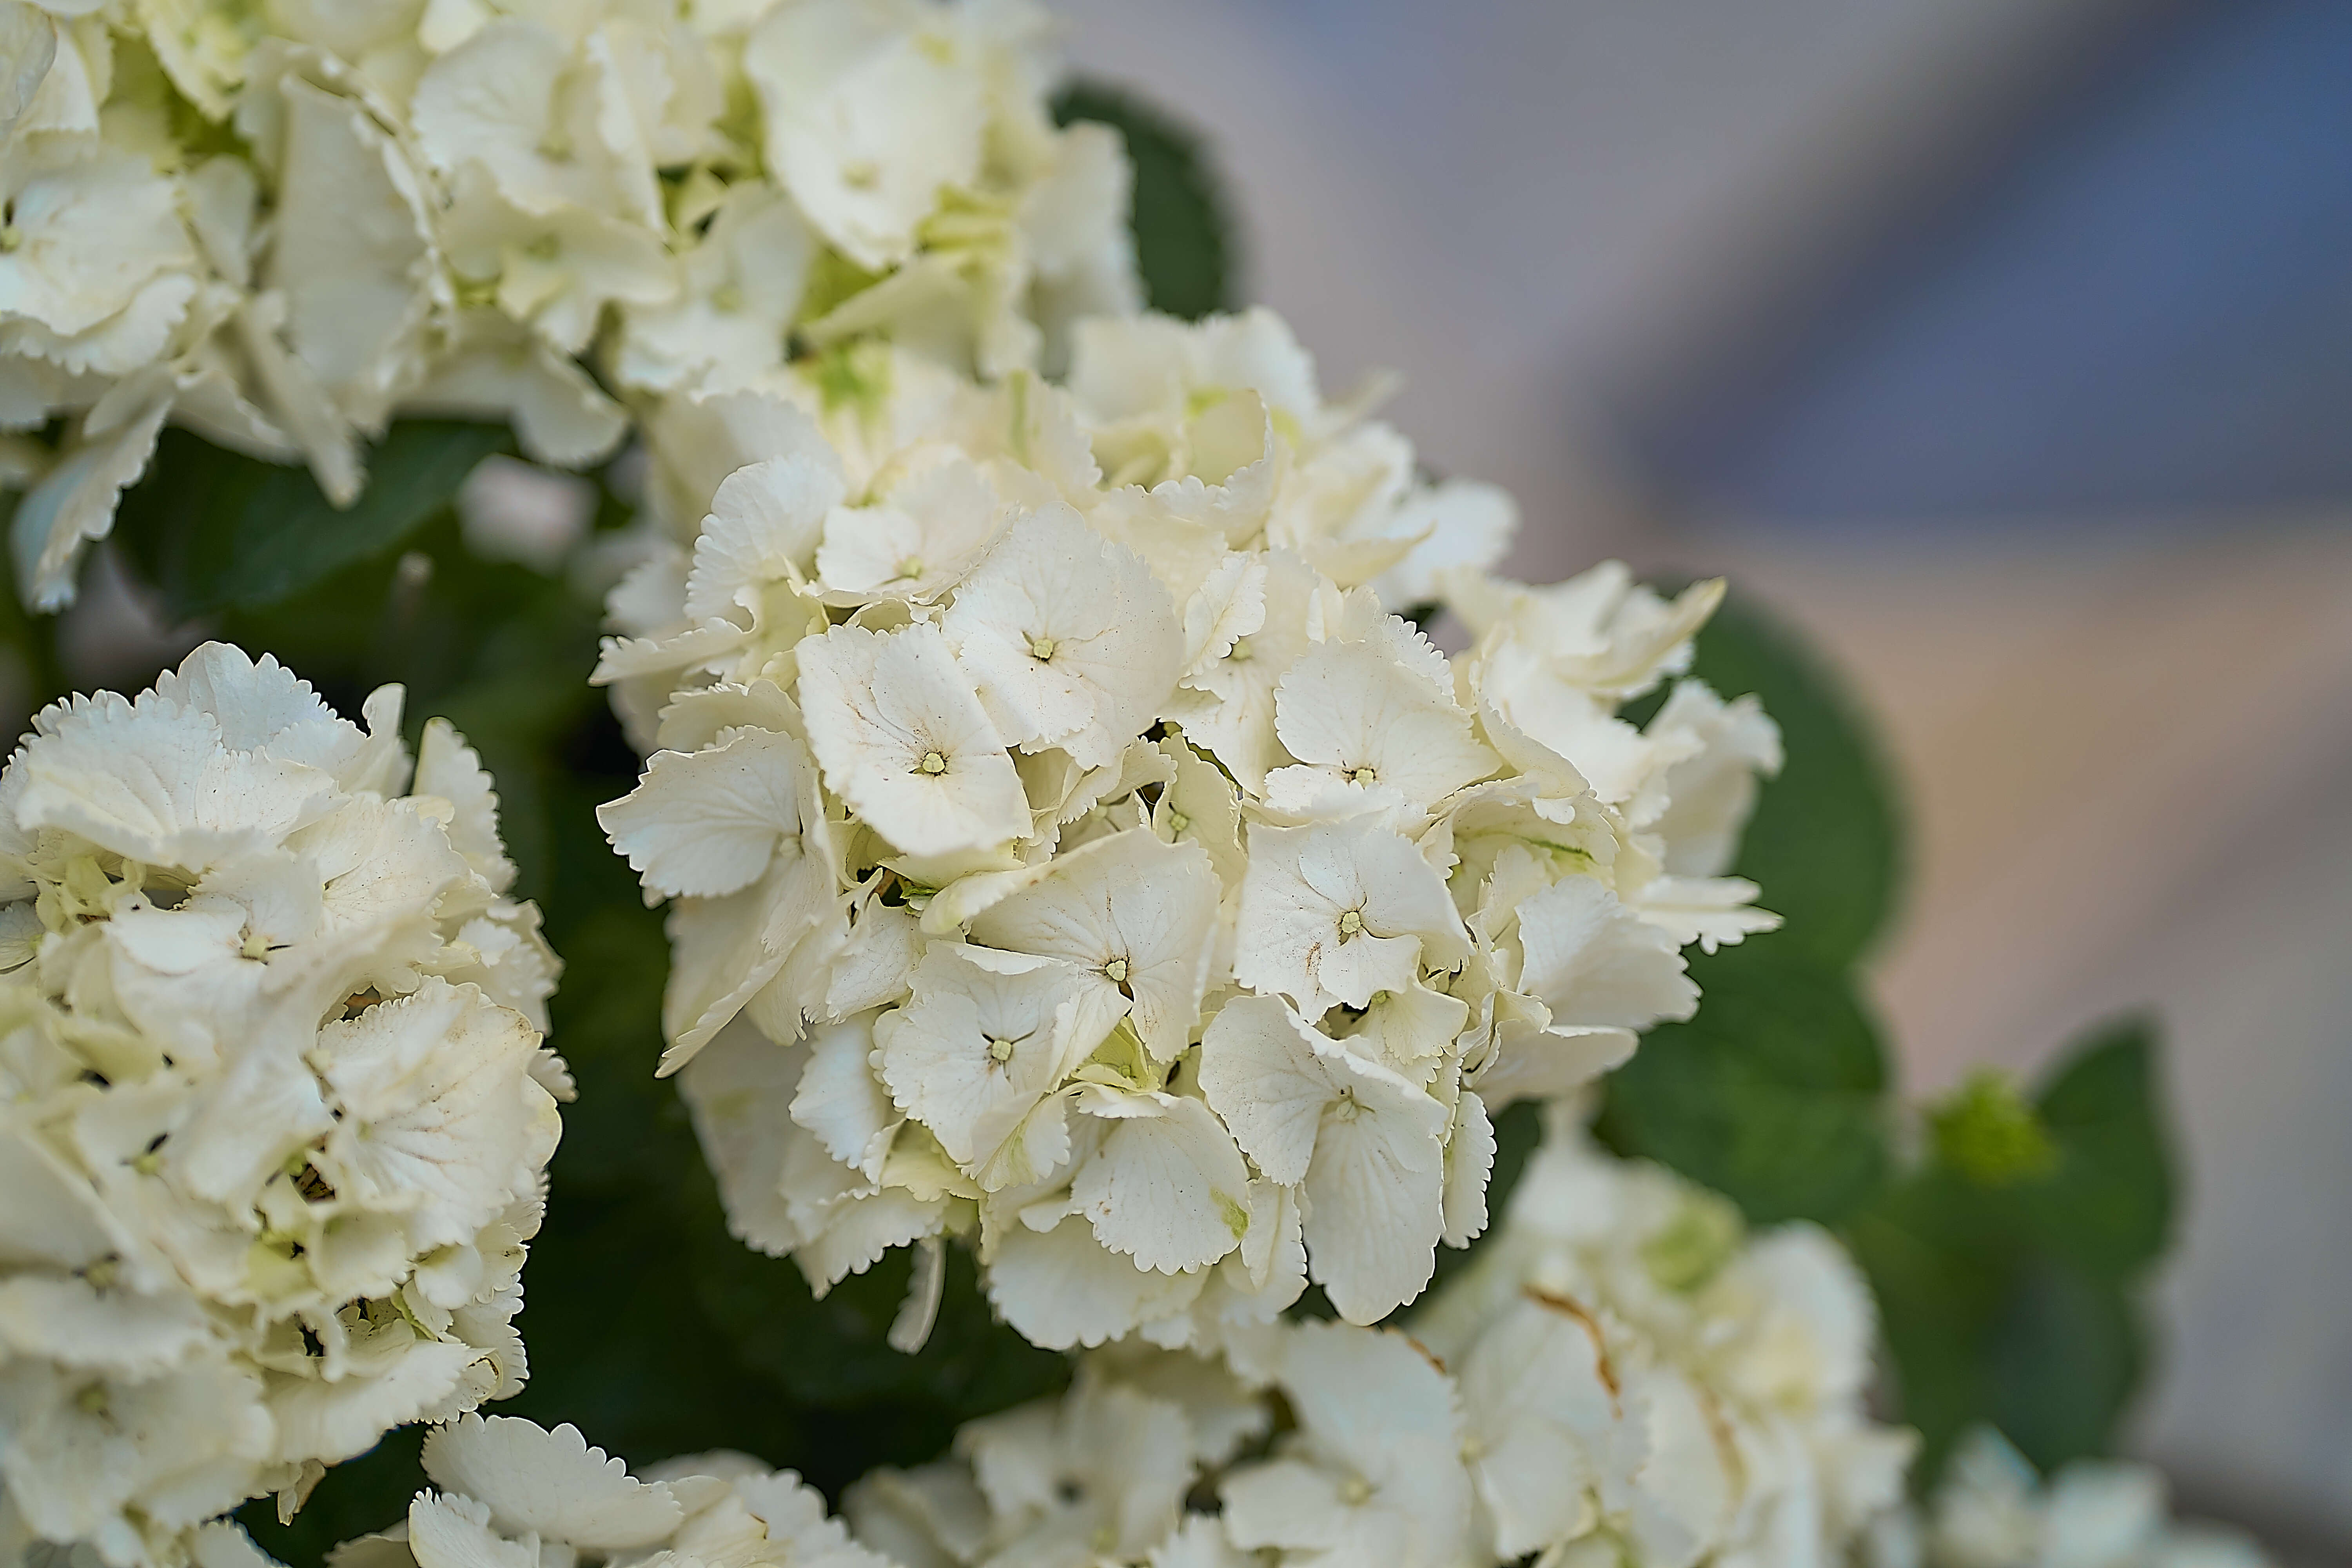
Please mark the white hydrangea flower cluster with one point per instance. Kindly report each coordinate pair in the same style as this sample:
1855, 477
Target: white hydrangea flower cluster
512, 1493
1623, 1381
1173, 1460
1644, 1384
1070, 852
279, 224
274, 1110
1991, 1510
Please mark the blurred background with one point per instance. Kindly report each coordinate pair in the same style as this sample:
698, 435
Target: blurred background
2005, 345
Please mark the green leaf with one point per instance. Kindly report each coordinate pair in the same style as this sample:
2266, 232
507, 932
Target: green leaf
2108, 1206
1183, 225
1826, 843
2064, 1356
1772, 1095
215, 530
2013, 1297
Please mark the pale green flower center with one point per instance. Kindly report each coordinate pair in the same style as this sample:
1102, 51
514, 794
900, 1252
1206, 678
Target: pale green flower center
11, 236
932, 763
1363, 775
1241, 654
1351, 922
1040, 647
999, 1051
1117, 970
726, 299
1178, 822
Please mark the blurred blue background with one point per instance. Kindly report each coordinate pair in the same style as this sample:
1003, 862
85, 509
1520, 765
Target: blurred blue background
2137, 301
2008, 345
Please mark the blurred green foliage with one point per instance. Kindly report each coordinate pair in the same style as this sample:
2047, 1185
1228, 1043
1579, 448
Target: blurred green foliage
2013, 1296
1774, 1095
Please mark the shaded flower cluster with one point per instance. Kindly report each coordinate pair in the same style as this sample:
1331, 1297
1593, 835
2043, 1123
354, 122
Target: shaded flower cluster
281, 224
1626, 1385
508, 1492
1070, 851
274, 1110
1644, 1381
1991, 1510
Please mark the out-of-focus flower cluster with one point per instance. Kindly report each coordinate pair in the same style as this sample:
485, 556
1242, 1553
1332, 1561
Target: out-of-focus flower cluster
1991, 1510
1644, 1381
512, 1492
1070, 851
1632, 1383
281, 222
274, 1110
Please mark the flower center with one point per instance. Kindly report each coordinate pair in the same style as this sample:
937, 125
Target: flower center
1351, 922
726, 299
932, 763
11, 236
255, 945
999, 1051
861, 174
1356, 1492
1117, 970
1241, 653
912, 566
1041, 649
546, 247
1363, 775
1178, 822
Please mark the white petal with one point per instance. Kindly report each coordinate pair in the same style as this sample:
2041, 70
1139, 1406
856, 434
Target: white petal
881, 708
1134, 915
454, 1533
1594, 962
1060, 1289
764, 523
1069, 637
840, 1099
975, 1051
1375, 1192
705, 823
1169, 1190
1260, 1072
551, 1483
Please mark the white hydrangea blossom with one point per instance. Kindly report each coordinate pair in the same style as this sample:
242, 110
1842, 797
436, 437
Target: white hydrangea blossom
508, 1492
282, 226
1991, 1510
1315, 1442
1070, 853
274, 1110
1643, 1383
